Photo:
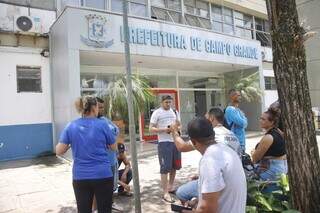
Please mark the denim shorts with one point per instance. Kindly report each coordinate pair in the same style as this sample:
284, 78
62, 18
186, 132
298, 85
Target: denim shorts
274, 170
169, 157
188, 191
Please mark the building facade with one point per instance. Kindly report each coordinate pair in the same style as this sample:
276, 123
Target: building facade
25, 117
193, 50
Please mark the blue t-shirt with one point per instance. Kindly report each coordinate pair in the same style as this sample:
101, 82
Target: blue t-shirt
238, 122
115, 131
89, 139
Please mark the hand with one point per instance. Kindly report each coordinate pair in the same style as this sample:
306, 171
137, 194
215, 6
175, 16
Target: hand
192, 203
174, 128
127, 188
123, 178
187, 211
252, 151
168, 130
194, 177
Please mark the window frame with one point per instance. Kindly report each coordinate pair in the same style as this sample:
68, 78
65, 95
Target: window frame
270, 83
40, 90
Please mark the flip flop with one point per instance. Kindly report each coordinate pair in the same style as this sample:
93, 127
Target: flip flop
168, 198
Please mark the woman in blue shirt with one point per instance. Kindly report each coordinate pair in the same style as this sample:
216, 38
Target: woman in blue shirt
89, 139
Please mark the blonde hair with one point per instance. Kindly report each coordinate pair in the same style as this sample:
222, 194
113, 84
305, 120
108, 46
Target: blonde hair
84, 104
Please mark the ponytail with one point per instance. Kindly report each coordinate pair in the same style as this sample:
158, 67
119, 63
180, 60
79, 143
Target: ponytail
84, 104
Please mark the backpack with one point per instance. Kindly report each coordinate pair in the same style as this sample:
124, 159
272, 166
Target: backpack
225, 123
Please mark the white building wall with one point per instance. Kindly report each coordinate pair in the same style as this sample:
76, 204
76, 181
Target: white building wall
23, 108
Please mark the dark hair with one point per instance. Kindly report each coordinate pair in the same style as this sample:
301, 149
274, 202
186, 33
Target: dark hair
84, 104
217, 113
273, 115
201, 130
166, 97
232, 91
100, 100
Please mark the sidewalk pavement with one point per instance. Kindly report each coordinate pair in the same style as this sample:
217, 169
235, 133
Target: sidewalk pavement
44, 185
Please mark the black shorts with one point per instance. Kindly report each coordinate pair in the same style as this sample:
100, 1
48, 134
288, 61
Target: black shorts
169, 157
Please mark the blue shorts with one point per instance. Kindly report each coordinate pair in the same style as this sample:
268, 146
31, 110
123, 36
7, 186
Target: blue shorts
169, 157
188, 191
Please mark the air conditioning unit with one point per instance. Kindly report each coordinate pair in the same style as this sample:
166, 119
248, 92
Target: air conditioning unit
27, 24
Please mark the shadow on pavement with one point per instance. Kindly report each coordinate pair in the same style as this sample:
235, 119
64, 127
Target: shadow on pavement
67, 209
48, 161
151, 193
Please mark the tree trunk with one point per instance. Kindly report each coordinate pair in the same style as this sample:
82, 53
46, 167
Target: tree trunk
289, 64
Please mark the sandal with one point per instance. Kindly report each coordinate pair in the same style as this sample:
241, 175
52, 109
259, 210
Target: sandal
167, 198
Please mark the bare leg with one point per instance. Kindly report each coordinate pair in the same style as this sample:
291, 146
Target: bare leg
164, 183
94, 203
171, 179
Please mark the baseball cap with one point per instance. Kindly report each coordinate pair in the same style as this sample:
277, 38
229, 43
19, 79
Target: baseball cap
121, 148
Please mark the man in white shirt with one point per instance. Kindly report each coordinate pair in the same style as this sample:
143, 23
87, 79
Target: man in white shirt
222, 183
215, 115
169, 156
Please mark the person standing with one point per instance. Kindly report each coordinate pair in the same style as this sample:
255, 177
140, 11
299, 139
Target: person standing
236, 119
89, 138
169, 156
222, 184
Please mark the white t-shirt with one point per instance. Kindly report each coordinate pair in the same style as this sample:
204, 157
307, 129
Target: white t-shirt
221, 170
225, 136
162, 119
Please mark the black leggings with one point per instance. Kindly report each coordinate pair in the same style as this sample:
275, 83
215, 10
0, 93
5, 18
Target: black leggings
101, 188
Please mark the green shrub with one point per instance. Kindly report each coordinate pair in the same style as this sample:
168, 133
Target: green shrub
259, 201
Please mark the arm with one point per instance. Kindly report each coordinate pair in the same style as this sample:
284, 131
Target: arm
64, 141
110, 137
61, 148
154, 129
208, 203
262, 148
181, 145
126, 162
233, 116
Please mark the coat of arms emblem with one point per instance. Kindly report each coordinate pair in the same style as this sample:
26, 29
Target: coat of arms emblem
97, 32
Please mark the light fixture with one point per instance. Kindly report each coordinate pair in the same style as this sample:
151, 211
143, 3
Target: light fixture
45, 53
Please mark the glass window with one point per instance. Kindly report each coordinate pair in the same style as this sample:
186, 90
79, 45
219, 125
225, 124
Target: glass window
259, 24
158, 3
117, 6
228, 29
202, 8
138, 9
28, 79
243, 25
162, 81
96, 83
193, 21
270, 83
162, 14
217, 26
98, 4
174, 5
205, 23
216, 13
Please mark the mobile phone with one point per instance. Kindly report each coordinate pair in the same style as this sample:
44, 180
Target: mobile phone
178, 208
